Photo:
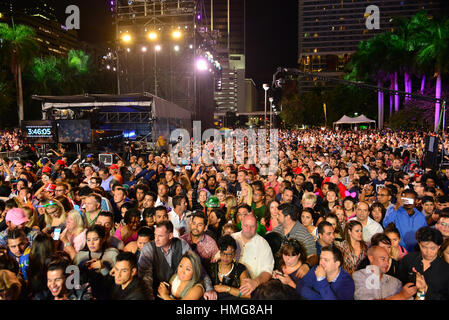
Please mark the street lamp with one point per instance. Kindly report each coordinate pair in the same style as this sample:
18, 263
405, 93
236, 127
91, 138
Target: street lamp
265, 87
271, 110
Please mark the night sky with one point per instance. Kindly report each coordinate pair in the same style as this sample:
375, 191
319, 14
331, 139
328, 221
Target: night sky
271, 32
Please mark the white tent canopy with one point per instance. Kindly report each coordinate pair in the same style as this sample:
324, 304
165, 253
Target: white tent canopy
348, 120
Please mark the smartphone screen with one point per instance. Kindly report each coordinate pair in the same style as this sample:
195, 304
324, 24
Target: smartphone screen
56, 233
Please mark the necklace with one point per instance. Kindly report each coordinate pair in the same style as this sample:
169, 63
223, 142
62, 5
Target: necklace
221, 275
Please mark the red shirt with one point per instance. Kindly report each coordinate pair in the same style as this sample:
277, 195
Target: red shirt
276, 187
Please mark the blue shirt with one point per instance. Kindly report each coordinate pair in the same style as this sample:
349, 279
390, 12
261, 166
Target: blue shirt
341, 288
105, 183
407, 225
318, 248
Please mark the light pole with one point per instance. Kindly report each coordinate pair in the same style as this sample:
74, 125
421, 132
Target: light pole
265, 87
271, 110
157, 48
144, 49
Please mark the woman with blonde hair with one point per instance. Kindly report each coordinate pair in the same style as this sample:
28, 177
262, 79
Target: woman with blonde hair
55, 216
186, 283
220, 193
231, 208
73, 237
185, 183
246, 195
33, 219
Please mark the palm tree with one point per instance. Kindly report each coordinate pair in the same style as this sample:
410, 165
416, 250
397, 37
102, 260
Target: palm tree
46, 71
20, 47
433, 54
79, 60
371, 62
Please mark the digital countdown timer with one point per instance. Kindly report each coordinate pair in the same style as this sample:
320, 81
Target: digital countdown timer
39, 132
42, 131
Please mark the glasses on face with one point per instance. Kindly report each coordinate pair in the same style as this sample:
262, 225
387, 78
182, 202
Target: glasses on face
52, 212
227, 254
444, 224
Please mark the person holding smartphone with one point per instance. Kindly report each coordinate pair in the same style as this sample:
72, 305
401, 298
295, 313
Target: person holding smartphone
226, 274
406, 218
55, 218
426, 266
96, 260
293, 256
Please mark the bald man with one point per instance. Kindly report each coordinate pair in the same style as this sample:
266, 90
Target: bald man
372, 283
257, 255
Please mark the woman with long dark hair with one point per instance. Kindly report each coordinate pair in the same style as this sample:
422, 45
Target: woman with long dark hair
96, 260
42, 249
186, 283
270, 220
292, 256
353, 248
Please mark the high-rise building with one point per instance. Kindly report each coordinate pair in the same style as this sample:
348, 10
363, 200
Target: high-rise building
330, 31
35, 8
51, 35
227, 20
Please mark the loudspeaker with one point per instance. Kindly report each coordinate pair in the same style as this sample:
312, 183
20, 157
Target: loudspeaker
431, 152
107, 159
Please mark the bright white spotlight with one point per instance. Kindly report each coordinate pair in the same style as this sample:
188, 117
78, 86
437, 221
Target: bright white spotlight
126, 38
128, 49
144, 49
157, 48
176, 48
176, 34
201, 64
152, 35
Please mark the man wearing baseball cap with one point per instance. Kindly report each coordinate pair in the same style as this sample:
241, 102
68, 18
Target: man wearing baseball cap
16, 218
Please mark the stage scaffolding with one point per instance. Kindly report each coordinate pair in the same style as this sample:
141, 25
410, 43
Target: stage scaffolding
169, 72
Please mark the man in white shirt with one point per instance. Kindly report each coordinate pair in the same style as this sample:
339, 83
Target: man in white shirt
255, 253
372, 283
179, 216
370, 227
162, 197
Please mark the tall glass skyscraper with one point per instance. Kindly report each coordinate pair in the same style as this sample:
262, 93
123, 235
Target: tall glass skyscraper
330, 31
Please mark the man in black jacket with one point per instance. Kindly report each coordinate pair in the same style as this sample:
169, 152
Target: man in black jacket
430, 270
127, 285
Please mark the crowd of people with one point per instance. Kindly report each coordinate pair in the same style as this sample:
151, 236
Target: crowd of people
344, 216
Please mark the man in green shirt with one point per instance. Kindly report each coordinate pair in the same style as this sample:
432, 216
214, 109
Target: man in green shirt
258, 205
